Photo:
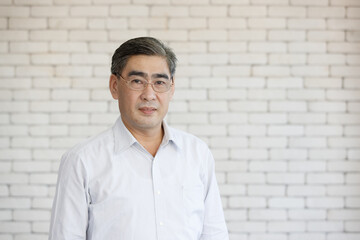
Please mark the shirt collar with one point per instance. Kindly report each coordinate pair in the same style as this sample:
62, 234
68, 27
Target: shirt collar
123, 139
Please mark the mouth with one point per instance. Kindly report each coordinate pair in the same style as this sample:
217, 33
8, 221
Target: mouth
147, 110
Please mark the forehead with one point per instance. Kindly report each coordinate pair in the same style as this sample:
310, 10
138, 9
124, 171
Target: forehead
147, 64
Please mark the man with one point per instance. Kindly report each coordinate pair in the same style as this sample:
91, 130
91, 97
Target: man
141, 179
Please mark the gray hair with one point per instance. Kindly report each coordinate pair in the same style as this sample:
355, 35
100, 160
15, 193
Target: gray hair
142, 46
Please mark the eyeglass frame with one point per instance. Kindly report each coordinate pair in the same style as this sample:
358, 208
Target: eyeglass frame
118, 75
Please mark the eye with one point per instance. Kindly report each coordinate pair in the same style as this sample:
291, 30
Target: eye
160, 83
137, 82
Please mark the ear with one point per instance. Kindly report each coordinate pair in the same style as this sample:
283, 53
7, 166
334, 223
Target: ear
172, 90
114, 86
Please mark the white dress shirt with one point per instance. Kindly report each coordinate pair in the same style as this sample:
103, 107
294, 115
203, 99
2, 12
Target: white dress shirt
110, 187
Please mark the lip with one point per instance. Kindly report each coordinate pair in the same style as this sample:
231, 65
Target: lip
147, 110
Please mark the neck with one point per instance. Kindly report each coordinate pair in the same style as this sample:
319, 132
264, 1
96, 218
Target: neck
150, 139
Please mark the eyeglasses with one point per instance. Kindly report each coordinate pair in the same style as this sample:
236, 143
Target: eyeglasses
139, 83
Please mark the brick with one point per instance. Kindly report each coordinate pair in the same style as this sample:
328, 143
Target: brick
73, 71
43, 178
207, 130
325, 178
29, 142
226, 23
266, 190
352, 60
33, 2
210, 83
227, 94
86, 131
307, 23
344, 166
344, 214
345, 71
231, 71
271, 47
83, 35
52, 83
21, 23
247, 202
68, 23
14, 35
13, 11
311, 71
352, 226
285, 178
267, 166
247, 35
28, 190
49, 35
14, 59
42, 203
353, 12
129, 10
70, 94
15, 154
14, 107
40, 227
247, 11
170, 35
267, 118
258, 154
70, 46
327, 106
352, 178
247, 82
191, 47
289, 106
194, 94
15, 227
231, 166
80, 106
288, 154
352, 202
306, 190
31, 94
327, 154
326, 12
320, 226
287, 35
183, 23
286, 202
353, 107
350, 95
342, 47
344, 118
148, 23
169, 11
208, 59
49, 11
308, 47
248, 106
228, 142
228, 118
344, 24
49, 106
208, 11
326, 59
308, 142
28, 47
267, 23
323, 82
247, 130
5, 215
286, 130
246, 178
89, 11
48, 154
348, 191
352, 131
247, 227
271, 71
284, 83
309, 94
307, 214
248, 58
325, 35
267, 214
287, 11
307, 166
216, 35
345, 236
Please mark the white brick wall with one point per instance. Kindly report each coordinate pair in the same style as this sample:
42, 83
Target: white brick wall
273, 86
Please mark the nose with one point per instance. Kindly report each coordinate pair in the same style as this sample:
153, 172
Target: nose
148, 94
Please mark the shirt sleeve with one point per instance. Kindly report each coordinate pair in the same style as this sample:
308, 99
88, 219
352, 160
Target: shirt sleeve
214, 227
69, 217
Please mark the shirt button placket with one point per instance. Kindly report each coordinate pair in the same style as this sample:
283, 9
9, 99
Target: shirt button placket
157, 200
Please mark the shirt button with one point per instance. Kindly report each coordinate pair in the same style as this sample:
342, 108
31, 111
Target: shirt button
158, 192
161, 223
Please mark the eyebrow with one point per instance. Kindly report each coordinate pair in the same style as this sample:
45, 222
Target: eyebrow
142, 74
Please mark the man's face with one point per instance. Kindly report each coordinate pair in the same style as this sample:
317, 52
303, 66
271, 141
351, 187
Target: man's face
142, 110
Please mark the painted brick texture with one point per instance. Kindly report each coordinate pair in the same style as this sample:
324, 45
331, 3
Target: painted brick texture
273, 86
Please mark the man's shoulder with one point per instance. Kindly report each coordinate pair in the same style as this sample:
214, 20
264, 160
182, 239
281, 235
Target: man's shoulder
92, 144
187, 139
